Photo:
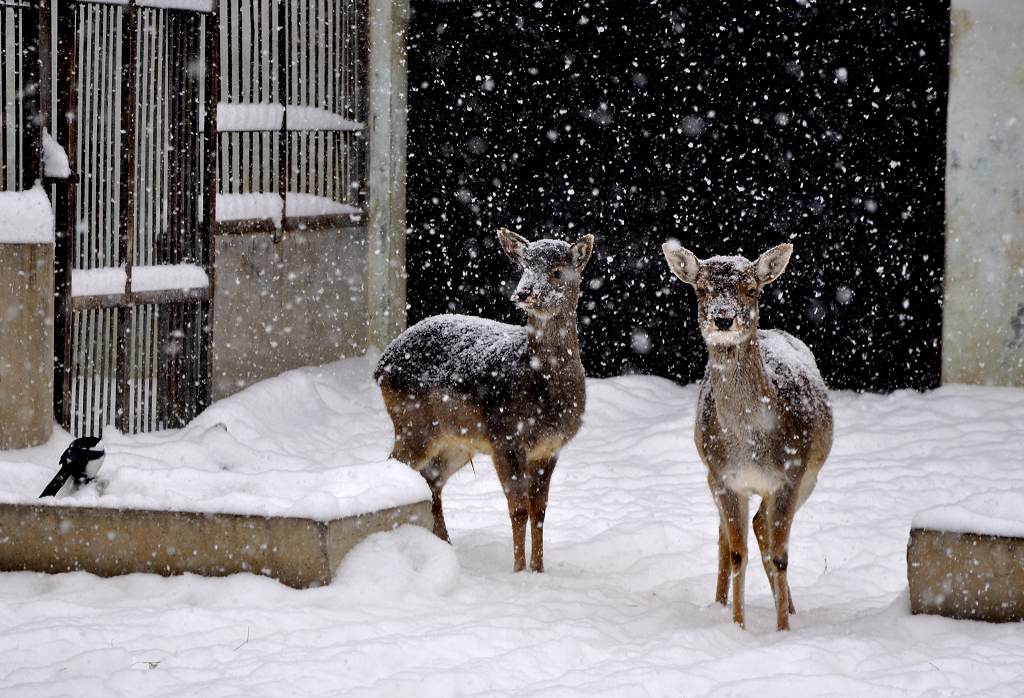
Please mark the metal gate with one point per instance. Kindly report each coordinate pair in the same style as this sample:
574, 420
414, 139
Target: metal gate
133, 273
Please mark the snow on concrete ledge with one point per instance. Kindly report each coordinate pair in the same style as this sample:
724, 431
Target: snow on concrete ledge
25, 217
269, 116
296, 445
166, 277
103, 281
986, 513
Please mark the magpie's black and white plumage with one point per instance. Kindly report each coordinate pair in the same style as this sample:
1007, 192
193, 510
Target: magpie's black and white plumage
78, 465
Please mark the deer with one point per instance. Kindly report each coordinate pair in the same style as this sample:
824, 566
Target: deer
456, 385
764, 420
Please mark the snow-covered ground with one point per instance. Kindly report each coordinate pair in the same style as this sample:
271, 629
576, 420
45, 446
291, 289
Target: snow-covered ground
625, 606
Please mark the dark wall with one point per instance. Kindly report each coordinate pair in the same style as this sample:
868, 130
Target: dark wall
729, 128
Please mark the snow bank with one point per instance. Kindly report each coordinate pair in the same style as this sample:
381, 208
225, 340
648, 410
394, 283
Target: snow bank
624, 609
290, 446
997, 513
55, 158
25, 217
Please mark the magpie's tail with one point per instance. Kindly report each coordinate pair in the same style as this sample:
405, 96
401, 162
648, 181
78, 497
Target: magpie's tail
55, 484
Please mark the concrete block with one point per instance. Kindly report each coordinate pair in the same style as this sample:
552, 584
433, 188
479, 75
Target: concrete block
107, 542
300, 301
966, 575
26, 344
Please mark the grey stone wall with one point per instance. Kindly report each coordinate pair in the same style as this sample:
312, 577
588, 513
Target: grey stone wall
983, 319
280, 305
26, 344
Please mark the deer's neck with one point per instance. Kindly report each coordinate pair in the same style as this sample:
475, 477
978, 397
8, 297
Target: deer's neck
552, 343
744, 397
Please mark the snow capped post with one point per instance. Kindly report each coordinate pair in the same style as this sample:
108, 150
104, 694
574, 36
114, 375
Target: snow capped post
764, 422
26, 318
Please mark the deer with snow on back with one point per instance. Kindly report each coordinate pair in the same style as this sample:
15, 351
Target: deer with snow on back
764, 422
456, 385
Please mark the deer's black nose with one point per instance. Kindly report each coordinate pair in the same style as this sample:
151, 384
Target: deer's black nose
522, 295
723, 323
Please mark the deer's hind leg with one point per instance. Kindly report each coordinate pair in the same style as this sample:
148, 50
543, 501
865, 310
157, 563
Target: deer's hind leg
762, 534
724, 566
435, 474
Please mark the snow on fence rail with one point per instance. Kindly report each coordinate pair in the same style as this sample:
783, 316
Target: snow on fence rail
270, 116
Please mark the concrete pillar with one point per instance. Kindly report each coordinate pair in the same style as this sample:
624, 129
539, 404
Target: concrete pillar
26, 344
388, 90
983, 316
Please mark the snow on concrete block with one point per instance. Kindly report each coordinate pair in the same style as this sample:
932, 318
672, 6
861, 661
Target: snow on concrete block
107, 542
25, 217
966, 560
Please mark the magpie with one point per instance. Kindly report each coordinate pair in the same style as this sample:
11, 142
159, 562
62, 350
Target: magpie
79, 463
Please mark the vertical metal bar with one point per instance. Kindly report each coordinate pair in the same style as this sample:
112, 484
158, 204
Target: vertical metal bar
126, 212
65, 207
283, 161
32, 124
209, 203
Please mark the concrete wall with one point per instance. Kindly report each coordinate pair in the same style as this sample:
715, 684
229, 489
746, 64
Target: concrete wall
280, 305
983, 323
26, 344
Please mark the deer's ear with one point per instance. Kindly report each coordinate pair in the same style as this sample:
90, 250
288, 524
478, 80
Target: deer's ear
514, 245
681, 261
772, 263
581, 250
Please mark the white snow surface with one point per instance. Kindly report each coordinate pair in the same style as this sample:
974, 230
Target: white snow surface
101, 281
236, 207
240, 207
191, 5
291, 446
162, 277
624, 609
108, 281
995, 513
25, 217
55, 158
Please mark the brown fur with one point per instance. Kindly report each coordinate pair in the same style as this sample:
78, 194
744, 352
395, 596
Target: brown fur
449, 399
764, 424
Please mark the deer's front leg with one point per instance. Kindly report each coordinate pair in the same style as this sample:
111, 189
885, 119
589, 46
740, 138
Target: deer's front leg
780, 519
511, 467
540, 483
733, 510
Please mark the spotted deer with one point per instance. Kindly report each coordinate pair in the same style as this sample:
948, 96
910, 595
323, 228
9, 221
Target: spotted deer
764, 422
456, 386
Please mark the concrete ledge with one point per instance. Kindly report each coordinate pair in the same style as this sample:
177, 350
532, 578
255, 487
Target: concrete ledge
966, 575
107, 542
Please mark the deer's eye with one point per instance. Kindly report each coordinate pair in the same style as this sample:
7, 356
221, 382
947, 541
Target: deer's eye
556, 274
753, 292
